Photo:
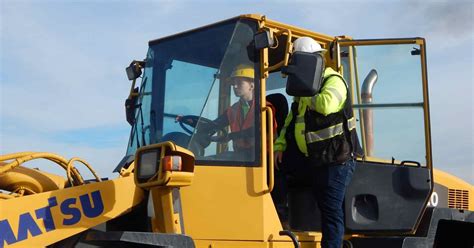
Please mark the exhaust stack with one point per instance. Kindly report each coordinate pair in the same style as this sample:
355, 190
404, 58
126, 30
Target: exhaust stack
367, 89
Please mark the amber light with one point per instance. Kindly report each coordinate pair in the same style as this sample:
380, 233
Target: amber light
171, 163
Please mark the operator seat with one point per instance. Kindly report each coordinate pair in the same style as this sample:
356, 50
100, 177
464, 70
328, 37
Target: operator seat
280, 104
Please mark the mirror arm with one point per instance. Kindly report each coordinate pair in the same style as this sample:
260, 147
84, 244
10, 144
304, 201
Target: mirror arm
132, 90
288, 47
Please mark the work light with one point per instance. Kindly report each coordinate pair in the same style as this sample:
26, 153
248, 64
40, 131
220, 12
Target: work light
163, 164
149, 163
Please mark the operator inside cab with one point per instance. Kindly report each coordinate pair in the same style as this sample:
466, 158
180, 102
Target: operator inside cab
239, 117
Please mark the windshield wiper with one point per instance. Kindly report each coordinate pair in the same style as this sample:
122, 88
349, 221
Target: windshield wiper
133, 136
142, 126
140, 114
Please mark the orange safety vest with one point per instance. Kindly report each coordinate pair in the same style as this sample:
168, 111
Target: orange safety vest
238, 123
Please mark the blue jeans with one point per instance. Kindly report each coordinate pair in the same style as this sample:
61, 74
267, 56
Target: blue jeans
329, 188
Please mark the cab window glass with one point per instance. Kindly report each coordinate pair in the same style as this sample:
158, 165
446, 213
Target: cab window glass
388, 101
189, 95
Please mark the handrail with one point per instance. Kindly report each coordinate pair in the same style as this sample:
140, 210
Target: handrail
270, 163
388, 105
292, 236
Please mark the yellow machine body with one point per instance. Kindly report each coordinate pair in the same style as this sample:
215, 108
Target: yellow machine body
460, 194
42, 219
30, 180
228, 205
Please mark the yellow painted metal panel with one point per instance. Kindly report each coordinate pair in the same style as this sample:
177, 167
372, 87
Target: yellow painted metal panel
229, 203
251, 244
299, 32
72, 210
453, 182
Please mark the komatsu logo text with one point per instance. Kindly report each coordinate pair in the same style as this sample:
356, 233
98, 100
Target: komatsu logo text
71, 215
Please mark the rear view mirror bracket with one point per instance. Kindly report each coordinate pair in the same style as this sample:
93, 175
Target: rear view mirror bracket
131, 105
134, 71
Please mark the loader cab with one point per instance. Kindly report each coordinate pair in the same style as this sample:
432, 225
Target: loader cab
186, 87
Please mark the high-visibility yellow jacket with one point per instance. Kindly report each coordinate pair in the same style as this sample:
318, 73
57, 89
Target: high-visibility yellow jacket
330, 100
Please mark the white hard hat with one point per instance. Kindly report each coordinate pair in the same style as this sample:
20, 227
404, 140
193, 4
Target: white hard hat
307, 44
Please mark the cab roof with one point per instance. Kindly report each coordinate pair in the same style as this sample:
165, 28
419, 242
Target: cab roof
268, 23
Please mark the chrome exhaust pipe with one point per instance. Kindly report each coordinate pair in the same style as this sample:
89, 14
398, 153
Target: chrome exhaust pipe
367, 115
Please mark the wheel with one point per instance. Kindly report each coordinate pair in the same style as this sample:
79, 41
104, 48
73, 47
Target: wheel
193, 121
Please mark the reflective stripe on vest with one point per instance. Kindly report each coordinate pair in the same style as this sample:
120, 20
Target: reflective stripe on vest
329, 132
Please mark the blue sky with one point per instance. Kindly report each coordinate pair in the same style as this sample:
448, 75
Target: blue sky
63, 84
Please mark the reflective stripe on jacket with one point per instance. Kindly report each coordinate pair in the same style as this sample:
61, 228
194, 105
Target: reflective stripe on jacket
329, 132
330, 100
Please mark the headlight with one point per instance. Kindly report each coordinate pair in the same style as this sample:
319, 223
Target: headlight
163, 164
149, 163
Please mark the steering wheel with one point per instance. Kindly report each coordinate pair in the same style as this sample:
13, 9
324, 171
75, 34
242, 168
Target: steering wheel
206, 127
193, 121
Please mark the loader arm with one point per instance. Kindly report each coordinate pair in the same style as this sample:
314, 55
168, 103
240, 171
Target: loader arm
43, 219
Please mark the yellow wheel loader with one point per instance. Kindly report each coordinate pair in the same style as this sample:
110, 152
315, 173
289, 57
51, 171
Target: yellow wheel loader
186, 181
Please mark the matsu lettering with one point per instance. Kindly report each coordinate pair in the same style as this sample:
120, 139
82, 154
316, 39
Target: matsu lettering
71, 214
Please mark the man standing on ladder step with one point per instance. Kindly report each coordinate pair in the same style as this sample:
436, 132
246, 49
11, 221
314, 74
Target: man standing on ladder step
320, 134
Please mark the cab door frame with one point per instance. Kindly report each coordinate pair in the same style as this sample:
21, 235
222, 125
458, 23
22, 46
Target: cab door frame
377, 188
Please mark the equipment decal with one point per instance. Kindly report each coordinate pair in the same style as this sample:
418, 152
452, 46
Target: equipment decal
71, 215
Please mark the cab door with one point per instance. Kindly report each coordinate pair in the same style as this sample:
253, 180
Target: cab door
388, 85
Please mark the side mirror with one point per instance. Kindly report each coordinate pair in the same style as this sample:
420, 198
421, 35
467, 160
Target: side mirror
305, 74
130, 106
134, 70
260, 40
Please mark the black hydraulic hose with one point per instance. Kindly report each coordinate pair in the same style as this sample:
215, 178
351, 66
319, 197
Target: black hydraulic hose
292, 237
